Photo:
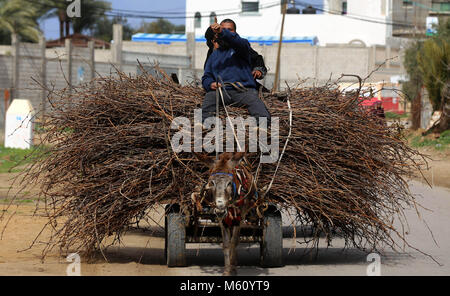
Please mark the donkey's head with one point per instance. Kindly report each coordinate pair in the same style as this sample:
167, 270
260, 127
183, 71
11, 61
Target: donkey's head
221, 182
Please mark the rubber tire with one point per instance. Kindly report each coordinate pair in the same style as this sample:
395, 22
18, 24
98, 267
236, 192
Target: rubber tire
272, 240
175, 244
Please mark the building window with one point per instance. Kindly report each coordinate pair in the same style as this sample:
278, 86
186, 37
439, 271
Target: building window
445, 6
212, 17
250, 6
441, 7
344, 7
198, 20
309, 10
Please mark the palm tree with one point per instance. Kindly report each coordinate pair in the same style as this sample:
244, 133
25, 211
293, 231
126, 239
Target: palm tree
91, 10
52, 8
18, 17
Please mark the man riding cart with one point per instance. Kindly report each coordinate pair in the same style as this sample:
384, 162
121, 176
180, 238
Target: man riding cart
259, 69
230, 66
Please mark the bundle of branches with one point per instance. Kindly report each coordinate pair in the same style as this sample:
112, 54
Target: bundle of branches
343, 170
108, 159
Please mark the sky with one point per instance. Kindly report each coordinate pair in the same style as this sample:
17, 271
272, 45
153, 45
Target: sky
51, 26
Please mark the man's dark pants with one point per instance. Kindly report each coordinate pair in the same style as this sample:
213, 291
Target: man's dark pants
248, 99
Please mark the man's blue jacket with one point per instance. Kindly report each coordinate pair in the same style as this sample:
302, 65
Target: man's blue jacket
231, 64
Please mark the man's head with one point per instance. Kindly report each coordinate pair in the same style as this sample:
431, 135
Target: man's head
229, 25
225, 24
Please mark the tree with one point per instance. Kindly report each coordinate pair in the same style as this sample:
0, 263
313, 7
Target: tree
55, 8
428, 64
19, 18
433, 61
103, 28
434, 65
161, 26
91, 12
413, 87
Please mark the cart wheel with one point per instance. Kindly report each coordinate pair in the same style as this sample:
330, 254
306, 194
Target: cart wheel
272, 240
175, 243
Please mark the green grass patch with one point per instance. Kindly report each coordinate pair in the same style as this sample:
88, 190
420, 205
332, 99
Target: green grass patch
24, 201
11, 157
441, 143
16, 201
393, 115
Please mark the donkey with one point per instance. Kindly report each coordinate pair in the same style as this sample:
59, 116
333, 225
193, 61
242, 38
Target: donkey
232, 192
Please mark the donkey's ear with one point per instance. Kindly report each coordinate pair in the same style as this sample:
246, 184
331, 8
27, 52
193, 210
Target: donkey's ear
207, 160
236, 158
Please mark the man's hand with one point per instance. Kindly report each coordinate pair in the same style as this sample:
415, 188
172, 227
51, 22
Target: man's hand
216, 27
215, 85
256, 74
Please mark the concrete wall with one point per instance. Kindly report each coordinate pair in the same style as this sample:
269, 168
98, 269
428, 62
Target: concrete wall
299, 61
5, 82
6, 70
57, 68
30, 67
368, 8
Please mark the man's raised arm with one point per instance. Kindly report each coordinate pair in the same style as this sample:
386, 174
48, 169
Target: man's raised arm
239, 44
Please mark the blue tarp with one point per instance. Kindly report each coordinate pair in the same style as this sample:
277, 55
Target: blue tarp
262, 40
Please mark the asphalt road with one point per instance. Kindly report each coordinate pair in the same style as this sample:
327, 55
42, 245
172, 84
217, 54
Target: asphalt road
147, 249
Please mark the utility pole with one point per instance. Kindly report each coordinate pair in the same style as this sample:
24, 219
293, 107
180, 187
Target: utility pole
15, 44
415, 21
276, 83
116, 49
43, 73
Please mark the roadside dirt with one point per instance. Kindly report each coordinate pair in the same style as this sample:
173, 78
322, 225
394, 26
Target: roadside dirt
23, 226
439, 168
17, 259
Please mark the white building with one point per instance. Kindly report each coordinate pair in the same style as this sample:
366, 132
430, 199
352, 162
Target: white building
336, 21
